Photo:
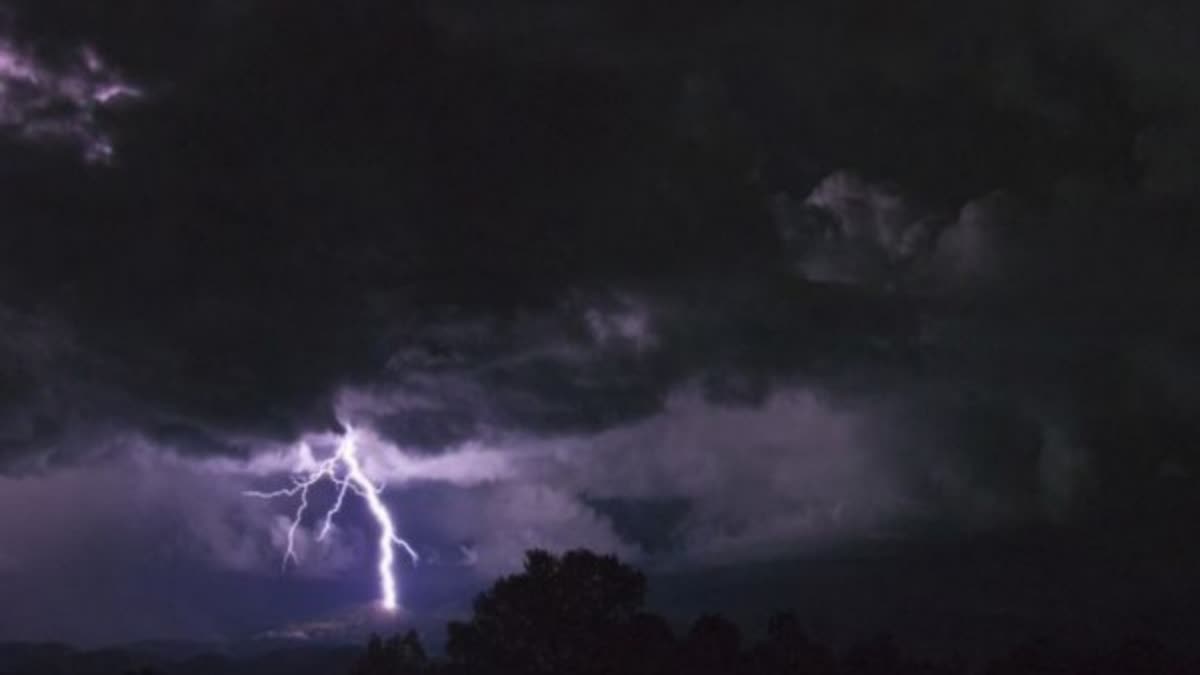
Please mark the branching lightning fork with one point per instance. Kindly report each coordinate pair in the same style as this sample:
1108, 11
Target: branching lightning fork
345, 472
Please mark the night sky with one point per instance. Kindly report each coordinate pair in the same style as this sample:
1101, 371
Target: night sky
883, 311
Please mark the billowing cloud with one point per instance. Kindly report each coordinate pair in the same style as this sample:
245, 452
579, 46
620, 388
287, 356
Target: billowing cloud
120, 533
853, 231
849, 230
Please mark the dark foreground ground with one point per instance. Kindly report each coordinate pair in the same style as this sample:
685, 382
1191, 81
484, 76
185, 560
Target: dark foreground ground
584, 614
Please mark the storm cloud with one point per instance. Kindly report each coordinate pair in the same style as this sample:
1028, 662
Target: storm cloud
789, 280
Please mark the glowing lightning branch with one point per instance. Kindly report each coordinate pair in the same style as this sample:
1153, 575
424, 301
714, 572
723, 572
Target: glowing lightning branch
344, 471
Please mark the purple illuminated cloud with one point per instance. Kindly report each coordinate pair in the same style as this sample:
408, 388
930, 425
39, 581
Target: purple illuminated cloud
44, 102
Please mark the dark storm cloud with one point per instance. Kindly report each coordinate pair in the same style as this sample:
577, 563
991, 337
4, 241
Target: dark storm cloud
268, 229
808, 274
267, 226
51, 396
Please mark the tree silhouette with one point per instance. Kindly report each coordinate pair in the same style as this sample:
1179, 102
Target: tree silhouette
1039, 657
787, 650
398, 655
877, 656
582, 614
561, 615
1134, 657
713, 645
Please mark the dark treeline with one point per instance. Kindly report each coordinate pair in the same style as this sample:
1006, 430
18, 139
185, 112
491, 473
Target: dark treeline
583, 614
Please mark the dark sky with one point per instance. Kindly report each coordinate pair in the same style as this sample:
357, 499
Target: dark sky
885, 311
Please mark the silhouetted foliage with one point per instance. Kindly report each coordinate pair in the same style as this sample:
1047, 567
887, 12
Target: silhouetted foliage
1039, 657
561, 615
713, 645
650, 646
582, 614
1135, 657
787, 650
398, 655
878, 656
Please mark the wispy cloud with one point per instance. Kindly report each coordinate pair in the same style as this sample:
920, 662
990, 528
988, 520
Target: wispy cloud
60, 101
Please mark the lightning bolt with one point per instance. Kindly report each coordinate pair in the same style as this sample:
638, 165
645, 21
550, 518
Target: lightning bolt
345, 471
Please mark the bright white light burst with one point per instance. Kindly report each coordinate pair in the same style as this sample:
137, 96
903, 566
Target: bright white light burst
345, 471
